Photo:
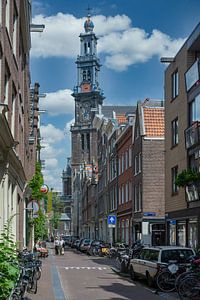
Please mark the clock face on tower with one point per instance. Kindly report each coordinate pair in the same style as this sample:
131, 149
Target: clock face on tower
85, 87
85, 111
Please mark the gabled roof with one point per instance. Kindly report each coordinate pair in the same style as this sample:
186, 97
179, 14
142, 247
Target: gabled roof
121, 119
154, 125
108, 110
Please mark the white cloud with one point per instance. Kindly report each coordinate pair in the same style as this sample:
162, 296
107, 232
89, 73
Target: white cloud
51, 163
59, 102
122, 44
49, 151
67, 128
53, 154
51, 134
53, 178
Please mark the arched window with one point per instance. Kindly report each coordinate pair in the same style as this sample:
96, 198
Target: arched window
88, 75
84, 75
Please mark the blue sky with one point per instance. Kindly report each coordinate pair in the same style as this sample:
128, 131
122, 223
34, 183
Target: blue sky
133, 35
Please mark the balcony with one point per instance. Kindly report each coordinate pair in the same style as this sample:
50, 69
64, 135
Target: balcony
193, 191
192, 135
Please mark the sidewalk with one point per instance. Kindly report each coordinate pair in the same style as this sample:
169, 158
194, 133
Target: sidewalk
45, 287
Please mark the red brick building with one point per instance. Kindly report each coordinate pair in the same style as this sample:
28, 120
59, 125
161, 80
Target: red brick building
125, 180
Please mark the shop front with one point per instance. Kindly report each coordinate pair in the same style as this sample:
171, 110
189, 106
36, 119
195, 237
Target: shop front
182, 228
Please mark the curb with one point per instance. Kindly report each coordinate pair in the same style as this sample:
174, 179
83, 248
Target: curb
120, 273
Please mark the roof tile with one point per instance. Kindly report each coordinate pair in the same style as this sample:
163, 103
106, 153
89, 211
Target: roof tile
154, 121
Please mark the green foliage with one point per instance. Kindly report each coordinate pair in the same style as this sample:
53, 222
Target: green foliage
9, 269
57, 209
40, 227
187, 176
36, 182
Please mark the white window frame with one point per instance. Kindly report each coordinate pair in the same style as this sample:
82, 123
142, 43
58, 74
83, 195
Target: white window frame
15, 18
7, 15
122, 195
130, 156
127, 191
175, 84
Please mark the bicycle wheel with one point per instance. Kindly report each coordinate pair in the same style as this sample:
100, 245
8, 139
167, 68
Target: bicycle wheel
186, 288
180, 278
32, 285
118, 263
14, 296
166, 281
38, 273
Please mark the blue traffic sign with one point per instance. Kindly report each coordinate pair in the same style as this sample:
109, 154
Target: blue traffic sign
112, 220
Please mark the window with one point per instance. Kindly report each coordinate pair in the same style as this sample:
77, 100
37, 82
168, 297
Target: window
14, 93
123, 194
130, 156
181, 232
192, 233
194, 110
8, 15
15, 31
84, 75
0, 12
122, 169
85, 48
137, 198
130, 190
119, 165
119, 196
88, 141
172, 233
174, 173
174, 84
82, 141
137, 161
174, 132
126, 160
127, 190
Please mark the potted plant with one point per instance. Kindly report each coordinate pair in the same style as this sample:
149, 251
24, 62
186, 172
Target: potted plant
186, 177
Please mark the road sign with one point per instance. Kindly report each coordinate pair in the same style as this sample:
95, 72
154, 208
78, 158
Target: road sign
112, 220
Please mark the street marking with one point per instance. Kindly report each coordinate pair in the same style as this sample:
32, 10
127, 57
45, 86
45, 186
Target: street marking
86, 268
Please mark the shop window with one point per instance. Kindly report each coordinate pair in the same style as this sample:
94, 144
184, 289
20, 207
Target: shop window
172, 233
192, 233
181, 233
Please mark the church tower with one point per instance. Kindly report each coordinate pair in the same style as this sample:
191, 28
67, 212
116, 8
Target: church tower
88, 99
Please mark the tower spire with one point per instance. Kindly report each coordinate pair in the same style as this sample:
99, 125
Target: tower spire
88, 25
89, 11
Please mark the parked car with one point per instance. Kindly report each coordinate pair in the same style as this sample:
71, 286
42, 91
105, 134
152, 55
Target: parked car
75, 244
93, 244
147, 263
85, 244
72, 239
66, 238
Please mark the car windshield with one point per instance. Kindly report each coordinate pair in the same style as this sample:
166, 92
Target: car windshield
179, 255
86, 241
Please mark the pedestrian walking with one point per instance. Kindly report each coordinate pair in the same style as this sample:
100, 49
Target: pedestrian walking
62, 245
56, 246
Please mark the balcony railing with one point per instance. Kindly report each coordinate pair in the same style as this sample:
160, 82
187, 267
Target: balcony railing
193, 191
192, 135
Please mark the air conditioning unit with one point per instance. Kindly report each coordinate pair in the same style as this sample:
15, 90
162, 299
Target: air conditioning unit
197, 154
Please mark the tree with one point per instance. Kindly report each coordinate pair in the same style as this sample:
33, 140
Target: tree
40, 226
